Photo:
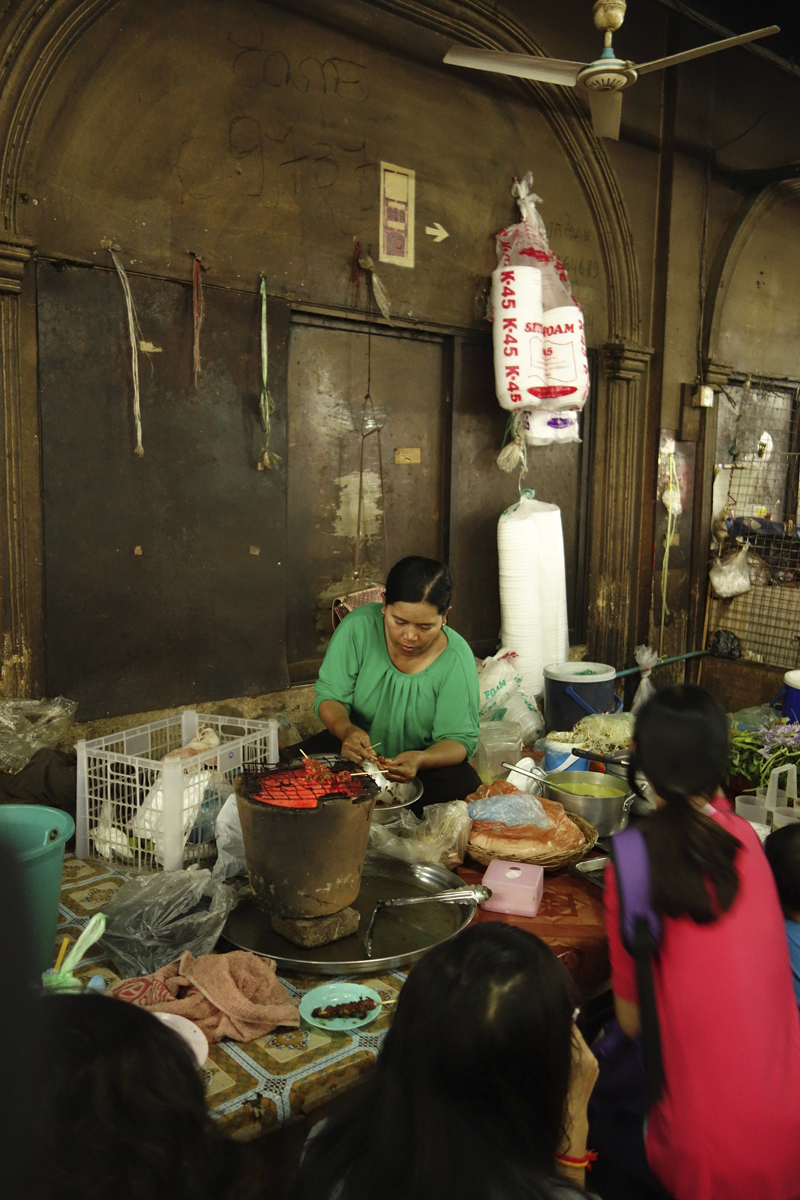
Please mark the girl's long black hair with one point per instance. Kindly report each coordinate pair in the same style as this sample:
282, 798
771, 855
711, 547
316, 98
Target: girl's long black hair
123, 1109
468, 1097
681, 746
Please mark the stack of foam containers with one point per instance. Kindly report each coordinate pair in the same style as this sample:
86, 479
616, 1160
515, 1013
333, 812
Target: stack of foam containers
533, 587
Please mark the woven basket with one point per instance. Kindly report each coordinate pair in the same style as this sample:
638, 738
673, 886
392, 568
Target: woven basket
550, 861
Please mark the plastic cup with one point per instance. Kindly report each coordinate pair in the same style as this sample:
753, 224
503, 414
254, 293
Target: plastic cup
785, 816
751, 811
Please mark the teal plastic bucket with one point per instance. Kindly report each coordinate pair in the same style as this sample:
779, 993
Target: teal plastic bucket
36, 837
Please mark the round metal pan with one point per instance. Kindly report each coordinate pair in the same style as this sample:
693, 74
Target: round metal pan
401, 937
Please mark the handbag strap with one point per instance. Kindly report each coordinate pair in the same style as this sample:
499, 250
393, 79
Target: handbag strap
640, 927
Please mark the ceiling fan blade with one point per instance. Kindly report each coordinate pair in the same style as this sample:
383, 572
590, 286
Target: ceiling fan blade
606, 109
675, 60
525, 66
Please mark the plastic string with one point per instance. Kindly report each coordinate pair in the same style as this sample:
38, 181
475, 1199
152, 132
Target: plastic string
199, 311
133, 328
673, 512
266, 405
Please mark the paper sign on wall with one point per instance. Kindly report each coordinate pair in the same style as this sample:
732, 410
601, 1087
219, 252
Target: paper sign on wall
397, 215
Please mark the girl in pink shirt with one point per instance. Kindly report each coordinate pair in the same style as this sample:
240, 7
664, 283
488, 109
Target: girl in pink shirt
727, 1124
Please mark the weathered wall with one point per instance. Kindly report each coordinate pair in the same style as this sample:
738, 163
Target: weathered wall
251, 133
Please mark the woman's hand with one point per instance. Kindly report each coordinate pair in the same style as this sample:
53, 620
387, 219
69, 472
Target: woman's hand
403, 766
356, 745
582, 1080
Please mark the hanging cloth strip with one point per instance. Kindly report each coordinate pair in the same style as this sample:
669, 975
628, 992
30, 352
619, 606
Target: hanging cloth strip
133, 330
266, 405
198, 312
370, 424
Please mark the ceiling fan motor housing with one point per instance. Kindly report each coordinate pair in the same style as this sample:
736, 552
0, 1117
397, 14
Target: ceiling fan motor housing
609, 15
608, 74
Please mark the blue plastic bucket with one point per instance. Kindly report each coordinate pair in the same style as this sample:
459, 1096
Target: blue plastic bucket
36, 837
788, 698
573, 690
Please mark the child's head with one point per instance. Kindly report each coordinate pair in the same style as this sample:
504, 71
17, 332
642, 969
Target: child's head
681, 742
124, 1107
782, 848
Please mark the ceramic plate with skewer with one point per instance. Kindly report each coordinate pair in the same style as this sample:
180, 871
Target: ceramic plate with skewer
333, 998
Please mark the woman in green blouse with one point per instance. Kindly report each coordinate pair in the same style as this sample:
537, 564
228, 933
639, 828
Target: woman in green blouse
398, 681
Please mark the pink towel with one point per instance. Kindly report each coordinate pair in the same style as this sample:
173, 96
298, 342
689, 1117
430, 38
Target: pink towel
236, 995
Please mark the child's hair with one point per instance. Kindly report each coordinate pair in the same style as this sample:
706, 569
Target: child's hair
681, 746
782, 849
413, 580
494, 1000
124, 1105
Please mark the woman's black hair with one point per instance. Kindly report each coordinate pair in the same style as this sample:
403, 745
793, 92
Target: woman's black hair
468, 1097
414, 580
782, 849
681, 746
124, 1110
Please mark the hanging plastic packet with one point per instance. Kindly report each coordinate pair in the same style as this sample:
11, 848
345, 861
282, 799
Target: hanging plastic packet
539, 337
646, 659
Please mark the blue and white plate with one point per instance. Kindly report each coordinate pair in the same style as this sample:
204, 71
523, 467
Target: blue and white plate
338, 993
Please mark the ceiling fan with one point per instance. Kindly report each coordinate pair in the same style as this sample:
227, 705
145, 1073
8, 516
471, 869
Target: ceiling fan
605, 79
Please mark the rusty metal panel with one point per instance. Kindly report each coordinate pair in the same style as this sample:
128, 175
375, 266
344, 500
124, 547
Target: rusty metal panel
165, 575
480, 492
328, 368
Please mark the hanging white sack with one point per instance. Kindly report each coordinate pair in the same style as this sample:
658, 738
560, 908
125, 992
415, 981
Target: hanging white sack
517, 334
542, 428
533, 590
566, 382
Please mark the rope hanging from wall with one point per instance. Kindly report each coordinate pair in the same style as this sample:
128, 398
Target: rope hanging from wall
266, 406
198, 312
133, 331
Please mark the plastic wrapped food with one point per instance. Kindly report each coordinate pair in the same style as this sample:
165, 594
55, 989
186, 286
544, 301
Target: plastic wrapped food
511, 808
30, 725
562, 836
154, 918
646, 659
440, 837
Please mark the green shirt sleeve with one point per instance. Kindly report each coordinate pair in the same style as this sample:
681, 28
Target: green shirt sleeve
457, 704
341, 665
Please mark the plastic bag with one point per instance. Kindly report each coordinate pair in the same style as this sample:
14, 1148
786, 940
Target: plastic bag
230, 843
154, 918
757, 569
440, 837
503, 695
730, 576
511, 808
30, 725
646, 658
603, 732
750, 720
204, 792
539, 338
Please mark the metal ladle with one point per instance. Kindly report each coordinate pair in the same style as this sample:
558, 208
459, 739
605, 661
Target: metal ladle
474, 894
537, 773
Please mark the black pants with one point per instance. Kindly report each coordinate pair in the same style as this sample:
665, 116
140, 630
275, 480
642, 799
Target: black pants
440, 784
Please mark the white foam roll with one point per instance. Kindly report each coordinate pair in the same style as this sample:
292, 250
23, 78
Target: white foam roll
566, 365
533, 591
540, 427
516, 305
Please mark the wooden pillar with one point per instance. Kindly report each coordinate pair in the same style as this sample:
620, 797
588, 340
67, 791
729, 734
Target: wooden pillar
21, 670
616, 492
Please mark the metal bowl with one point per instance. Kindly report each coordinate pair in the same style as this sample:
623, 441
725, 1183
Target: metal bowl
401, 939
397, 796
608, 814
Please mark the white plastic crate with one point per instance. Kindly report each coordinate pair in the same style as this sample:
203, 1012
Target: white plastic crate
147, 814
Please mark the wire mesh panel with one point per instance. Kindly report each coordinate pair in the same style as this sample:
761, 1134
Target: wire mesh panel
138, 806
756, 504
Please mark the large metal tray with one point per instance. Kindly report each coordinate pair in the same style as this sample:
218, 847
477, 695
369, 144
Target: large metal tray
401, 937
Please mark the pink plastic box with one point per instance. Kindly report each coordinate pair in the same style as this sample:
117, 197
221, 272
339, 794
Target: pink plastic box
516, 888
